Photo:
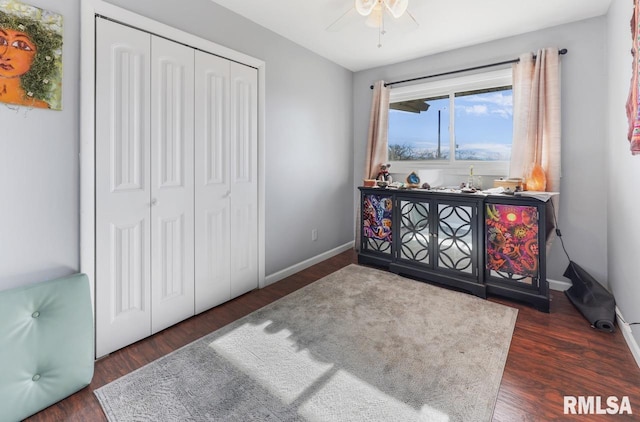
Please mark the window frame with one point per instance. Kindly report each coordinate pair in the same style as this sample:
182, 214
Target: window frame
478, 81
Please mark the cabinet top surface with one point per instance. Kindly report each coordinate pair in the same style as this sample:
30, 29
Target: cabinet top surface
449, 193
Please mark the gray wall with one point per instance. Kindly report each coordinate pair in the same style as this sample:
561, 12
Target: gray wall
316, 117
584, 177
624, 171
309, 149
39, 185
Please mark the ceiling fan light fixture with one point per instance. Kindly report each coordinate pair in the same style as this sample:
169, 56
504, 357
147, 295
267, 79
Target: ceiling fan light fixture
365, 7
374, 10
374, 20
396, 7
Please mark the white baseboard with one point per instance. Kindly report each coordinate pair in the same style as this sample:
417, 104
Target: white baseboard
628, 336
272, 278
559, 285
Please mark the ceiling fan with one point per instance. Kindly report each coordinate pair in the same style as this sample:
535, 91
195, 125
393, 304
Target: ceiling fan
374, 7
375, 12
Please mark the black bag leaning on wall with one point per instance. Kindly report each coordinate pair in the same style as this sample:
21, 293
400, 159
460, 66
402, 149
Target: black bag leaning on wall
595, 302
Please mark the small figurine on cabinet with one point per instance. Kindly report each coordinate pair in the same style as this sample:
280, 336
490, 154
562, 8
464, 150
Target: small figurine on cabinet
413, 180
384, 174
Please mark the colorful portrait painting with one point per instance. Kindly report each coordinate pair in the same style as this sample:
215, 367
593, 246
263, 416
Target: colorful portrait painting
30, 56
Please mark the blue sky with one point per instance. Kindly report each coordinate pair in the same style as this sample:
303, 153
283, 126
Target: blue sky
483, 121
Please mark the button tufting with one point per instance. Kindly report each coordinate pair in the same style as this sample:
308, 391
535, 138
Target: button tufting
36, 377
36, 314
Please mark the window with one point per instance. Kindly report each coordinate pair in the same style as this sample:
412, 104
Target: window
453, 124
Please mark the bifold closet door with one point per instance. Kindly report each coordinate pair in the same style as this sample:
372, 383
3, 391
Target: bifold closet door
226, 180
212, 184
243, 132
123, 188
144, 185
172, 195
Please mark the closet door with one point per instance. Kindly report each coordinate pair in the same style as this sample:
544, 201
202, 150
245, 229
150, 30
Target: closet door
123, 293
212, 185
172, 195
226, 180
244, 178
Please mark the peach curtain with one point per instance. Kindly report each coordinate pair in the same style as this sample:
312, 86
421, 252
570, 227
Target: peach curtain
377, 144
536, 124
536, 116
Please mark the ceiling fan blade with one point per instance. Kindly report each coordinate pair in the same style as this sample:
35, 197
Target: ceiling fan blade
364, 7
412, 18
396, 7
337, 24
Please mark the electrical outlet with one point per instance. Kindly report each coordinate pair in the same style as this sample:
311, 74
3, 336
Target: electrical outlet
314, 234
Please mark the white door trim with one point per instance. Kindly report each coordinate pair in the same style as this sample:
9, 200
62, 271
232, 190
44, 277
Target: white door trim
90, 8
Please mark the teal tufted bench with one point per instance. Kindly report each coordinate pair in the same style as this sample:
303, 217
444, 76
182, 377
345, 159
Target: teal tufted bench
46, 344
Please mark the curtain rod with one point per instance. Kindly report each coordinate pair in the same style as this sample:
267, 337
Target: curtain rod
561, 52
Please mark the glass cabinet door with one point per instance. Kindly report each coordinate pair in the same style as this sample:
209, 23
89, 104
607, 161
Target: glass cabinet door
415, 233
455, 237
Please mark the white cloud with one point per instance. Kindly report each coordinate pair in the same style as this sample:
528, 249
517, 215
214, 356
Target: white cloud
496, 103
476, 109
503, 112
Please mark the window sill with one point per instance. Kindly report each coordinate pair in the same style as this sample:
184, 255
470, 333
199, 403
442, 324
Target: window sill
450, 173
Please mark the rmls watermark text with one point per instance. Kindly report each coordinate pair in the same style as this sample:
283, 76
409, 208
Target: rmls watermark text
597, 405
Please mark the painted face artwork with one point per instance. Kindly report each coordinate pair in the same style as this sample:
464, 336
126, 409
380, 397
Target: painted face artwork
17, 52
30, 56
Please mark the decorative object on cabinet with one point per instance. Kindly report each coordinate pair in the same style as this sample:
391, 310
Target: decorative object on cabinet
413, 180
511, 184
481, 244
384, 174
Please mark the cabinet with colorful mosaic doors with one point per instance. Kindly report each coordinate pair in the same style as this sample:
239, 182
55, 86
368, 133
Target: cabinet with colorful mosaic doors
431, 236
515, 244
480, 244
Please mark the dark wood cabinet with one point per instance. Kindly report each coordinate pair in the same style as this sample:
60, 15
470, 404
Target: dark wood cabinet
472, 242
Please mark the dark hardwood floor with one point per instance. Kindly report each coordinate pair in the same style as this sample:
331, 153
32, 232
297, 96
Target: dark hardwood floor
551, 356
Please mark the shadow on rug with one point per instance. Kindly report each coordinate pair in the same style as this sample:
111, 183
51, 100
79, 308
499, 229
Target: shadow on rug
359, 344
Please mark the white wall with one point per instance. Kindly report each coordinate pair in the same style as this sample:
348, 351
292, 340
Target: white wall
309, 149
623, 201
39, 194
584, 176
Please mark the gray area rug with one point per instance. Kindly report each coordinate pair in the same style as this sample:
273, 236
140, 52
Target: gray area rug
358, 345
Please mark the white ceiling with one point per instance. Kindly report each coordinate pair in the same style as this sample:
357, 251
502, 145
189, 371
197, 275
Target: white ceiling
443, 25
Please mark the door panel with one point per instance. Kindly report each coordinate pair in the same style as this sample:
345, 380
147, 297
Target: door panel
123, 311
244, 184
212, 185
172, 188
456, 236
